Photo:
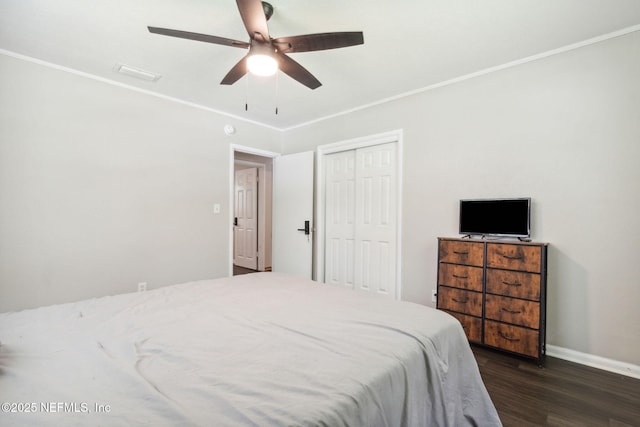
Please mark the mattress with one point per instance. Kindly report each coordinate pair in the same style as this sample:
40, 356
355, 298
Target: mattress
263, 349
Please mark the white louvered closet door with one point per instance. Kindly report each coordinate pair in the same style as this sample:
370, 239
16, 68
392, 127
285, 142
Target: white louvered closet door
361, 219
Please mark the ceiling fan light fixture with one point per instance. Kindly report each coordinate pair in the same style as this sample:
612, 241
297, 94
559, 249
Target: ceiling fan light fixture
262, 65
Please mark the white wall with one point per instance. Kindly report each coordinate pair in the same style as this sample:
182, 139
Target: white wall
102, 187
565, 131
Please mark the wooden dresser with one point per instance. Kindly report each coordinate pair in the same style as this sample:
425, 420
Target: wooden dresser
497, 290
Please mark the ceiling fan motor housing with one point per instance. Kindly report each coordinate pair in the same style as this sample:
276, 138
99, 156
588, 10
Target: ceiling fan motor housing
268, 10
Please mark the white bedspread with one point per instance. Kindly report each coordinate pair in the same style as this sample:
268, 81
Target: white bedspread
263, 349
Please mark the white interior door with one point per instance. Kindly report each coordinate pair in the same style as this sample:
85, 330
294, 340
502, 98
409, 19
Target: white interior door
245, 236
360, 219
292, 207
340, 179
375, 225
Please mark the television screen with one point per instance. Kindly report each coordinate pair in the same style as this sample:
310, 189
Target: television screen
495, 217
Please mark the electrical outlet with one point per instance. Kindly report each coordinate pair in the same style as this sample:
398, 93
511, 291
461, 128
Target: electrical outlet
434, 295
142, 287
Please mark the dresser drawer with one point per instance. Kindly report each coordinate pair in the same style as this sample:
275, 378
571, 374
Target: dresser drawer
511, 310
459, 252
460, 300
472, 326
514, 284
511, 338
514, 257
460, 276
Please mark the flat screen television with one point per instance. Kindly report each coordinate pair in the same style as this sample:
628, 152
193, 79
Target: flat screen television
496, 217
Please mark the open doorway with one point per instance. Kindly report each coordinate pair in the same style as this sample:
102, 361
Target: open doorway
285, 227
251, 210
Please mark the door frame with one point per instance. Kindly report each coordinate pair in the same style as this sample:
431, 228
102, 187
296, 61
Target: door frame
234, 148
352, 144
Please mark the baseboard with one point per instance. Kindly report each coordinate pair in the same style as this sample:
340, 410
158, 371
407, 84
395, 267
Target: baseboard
623, 368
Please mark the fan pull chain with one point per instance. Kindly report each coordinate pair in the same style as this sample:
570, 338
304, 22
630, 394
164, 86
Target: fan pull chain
277, 90
246, 93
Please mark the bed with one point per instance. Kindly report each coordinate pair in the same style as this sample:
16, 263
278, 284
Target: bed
264, 349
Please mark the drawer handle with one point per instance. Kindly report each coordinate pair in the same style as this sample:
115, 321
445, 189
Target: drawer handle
513, 257
460, 277
511, 311
516, 284
508, 338
461, 301
461, 252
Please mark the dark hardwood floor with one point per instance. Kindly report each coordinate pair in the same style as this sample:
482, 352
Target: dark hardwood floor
241, 270
561, 393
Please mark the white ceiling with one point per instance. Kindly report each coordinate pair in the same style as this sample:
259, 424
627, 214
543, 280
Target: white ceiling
409, 45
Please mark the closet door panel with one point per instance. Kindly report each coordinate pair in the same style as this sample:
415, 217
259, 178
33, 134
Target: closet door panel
375, 224
340, 218
360, 216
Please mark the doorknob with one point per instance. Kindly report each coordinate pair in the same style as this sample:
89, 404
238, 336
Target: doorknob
306, 228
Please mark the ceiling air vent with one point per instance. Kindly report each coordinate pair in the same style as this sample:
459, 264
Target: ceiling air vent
137, 73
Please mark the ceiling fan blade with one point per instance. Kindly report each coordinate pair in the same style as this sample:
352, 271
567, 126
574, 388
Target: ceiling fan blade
254, 19
238, 70
296, 71
320, 41
199, 37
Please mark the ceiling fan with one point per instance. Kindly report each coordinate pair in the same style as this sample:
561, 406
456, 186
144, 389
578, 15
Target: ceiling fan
267, 55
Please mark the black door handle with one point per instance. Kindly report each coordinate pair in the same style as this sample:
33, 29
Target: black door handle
306, 228
235, 221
